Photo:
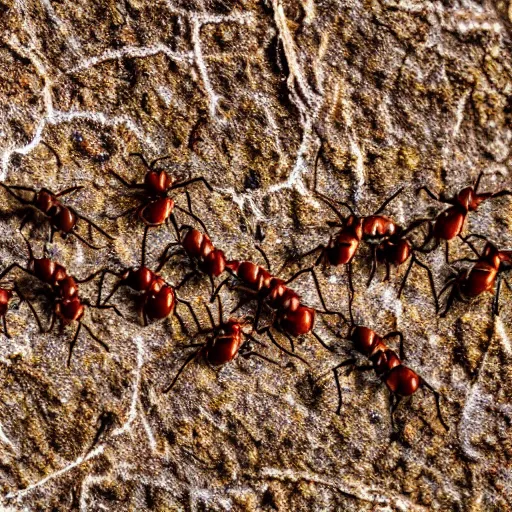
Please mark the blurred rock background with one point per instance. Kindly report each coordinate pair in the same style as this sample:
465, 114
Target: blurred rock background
243, 93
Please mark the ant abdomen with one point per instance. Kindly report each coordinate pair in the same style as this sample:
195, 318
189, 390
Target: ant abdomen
297, 322
140, 279
160, 303
157, 212
402, 380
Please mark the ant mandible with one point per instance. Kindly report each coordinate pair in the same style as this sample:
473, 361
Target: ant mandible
225, 341
482, 277
450, 223
400, 380
68, 307
157, 208
63, 219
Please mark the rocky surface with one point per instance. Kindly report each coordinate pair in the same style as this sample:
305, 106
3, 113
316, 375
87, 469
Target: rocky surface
243, 93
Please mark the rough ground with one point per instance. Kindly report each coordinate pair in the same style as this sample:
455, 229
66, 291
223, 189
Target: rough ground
242, 92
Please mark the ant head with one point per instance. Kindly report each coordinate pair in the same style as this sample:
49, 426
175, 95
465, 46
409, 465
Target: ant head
5, 297
468, 199
63, 218
492, 255
365, 340
297, 322
70, 310
158, 182
215, 263
139, 279
45, 201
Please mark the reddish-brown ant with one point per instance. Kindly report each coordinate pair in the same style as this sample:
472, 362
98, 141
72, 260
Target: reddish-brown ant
224, 342
158, 298
342, 247
68, 306
63, 219
290, 317
5, 298
200, 250
483, 277
450, 223
400, 380
396, 250
157, 208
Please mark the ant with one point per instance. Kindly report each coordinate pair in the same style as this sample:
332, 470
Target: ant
450, 222
224, 342
342, 247
291, 318
158, 299
482, 277
157, 207
68, 307
5, 298
199, 248
396, 250
63, 219
400, 380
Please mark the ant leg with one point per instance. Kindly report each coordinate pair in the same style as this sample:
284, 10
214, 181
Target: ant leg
430, 278
9, 189
95, 338
32, 309
471, 246
394, 401
27, 218
388, 200
156, 160
267, 261
252, 353
296, 259
189, 201
193, 180
69, 191
322, 342
114, 290
290, 340
165, 257
252, 338
210, 316
187, 278
449, 302
143, 160
400, 337
144, 241
124, 214
193, 216
435, 197
190, 358
91, 277
502, 193
192, 312
217, 290
317, 284
447, 252
257, 316
176, 228
328, 202
477, 182
274, 342
83, 240
108, 306
437, 396
348, 362
374, 265
496, 300
220, 311
6, 331
127, 184
93, 224
388, 271
181, 322
73, 343
12, 267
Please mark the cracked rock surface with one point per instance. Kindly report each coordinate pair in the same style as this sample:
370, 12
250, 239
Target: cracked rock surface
245, 93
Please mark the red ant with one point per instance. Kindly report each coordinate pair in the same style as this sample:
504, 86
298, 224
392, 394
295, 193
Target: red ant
396, 250
63, 219
157, 208
400, 380
291, 318
68, 306
158, 300
199, 248
449, 223
224, 342
342, 247
482, 277
5, 298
